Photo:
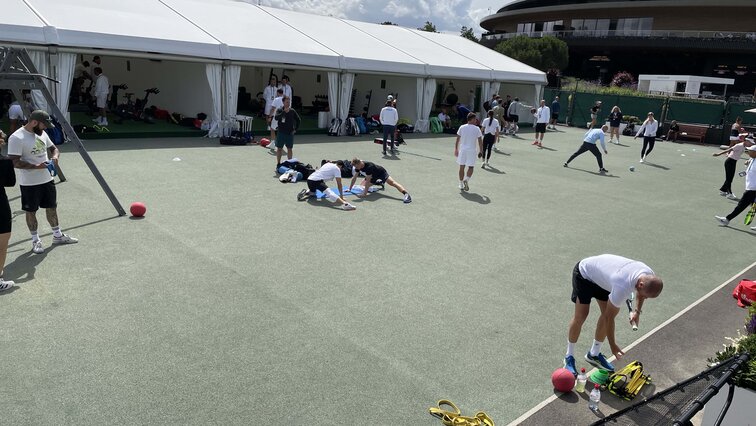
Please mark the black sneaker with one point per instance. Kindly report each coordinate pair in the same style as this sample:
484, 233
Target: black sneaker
303, 195
603, 170
566, 165
407, 198
384, 152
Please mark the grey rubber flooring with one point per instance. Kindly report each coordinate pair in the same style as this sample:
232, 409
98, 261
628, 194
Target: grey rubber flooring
232, 303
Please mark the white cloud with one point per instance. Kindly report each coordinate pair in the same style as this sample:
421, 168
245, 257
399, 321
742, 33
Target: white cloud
446, 15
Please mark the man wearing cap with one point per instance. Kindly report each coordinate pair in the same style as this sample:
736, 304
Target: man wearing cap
611, 280
749, 196
31, 151
389, 117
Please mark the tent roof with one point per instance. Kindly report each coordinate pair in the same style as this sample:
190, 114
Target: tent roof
243, 32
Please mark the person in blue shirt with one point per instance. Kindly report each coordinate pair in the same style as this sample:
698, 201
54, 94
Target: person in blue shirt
555, 107
589, 144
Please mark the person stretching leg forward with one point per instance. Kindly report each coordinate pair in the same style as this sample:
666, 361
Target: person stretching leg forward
374, 175
589, 144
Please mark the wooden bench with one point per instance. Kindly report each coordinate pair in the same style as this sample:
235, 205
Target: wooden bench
692, 131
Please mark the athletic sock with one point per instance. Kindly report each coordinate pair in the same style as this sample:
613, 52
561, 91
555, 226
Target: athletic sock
596, 348
466, 179
35, 236
570, 349
56, 232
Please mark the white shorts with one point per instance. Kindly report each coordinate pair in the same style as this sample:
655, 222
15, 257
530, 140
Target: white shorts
273, 124
102, 101
15, 112
467, 157
268, 107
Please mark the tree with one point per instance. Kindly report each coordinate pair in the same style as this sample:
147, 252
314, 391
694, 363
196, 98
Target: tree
468, 34
428, 27
545, 53
388, 23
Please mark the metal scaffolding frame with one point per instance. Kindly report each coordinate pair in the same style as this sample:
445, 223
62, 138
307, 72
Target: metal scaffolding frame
18, 73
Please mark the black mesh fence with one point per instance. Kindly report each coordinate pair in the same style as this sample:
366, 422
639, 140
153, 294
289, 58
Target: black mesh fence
680, 402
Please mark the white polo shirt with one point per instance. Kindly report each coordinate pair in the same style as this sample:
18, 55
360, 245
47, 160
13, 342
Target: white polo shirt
468, 137
615, 274
751, 176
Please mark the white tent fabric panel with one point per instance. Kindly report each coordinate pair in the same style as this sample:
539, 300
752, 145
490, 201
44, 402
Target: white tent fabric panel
422, 124
359, 51
135, 25
41, 61
214, 76
345, 95
441, 62
252, 34
66, 62
333, 93
232, 74
18, 23
504, 67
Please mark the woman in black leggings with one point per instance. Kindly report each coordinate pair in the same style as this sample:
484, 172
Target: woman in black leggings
649, 129
733, 154
490, 128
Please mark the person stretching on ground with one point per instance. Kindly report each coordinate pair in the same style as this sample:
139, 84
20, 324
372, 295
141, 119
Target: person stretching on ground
374, 175
607, 278
316, 182
589, 144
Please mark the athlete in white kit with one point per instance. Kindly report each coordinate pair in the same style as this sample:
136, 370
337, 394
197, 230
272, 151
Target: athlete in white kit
467, 148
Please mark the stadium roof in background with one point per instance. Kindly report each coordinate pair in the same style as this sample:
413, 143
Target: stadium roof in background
246, 33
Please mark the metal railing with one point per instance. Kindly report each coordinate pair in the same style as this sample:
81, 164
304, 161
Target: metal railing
716, 35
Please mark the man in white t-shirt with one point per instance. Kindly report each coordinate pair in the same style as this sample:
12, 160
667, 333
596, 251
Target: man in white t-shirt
389, 117
467, 148
317, 182
275, 106
444, 118
28, 148
611, 280
15, 116
102, 89
542, 116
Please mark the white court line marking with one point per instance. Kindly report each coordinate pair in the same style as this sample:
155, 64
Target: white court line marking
548, 400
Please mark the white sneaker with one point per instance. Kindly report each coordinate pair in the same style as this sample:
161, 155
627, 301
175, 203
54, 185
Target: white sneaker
461, 185
722, 193
467, 187
641, 160
97, 120
37, 247
722, 220
5, 284
731, 197
104, 122
348, 207
753, 228
65, 239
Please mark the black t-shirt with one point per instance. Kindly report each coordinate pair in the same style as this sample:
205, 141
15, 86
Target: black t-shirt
675, 128
615, 118
595, 109
371, 169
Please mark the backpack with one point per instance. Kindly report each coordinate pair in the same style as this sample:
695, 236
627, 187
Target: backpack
361, 124
346, 169
745, 293
335, 127
435, 125
56, 133
305, 169
350, 127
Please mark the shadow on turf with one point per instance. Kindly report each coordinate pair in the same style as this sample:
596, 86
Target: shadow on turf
24, 266
502, 152
547, 148
658, 166
472, 196
67, 228
375, 196
492, 169
593, 173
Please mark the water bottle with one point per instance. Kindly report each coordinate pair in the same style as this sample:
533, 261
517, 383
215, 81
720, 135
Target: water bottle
593, 402
581, 379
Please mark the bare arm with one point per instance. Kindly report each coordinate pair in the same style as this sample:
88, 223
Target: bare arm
456, 146
53, 153
21, 164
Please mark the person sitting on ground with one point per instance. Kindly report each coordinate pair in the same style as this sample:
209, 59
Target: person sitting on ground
374, 175
674, 130
317, 182
444, 118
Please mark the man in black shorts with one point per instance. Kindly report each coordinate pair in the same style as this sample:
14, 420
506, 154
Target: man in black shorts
28, 148
611, 280
374, 175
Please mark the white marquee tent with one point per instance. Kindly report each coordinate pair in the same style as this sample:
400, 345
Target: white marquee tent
228, 34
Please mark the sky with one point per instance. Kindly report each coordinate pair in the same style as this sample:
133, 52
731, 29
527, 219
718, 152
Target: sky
446, 15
